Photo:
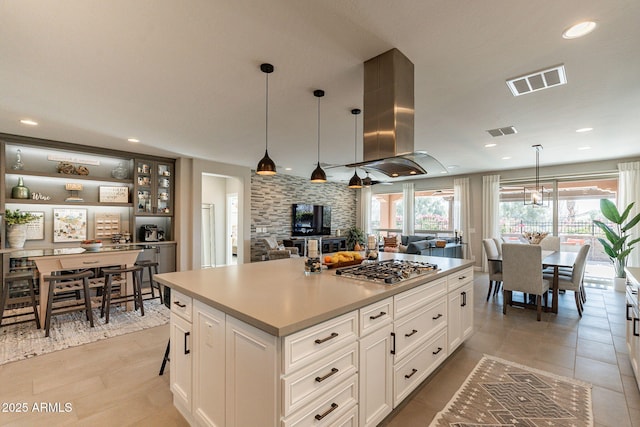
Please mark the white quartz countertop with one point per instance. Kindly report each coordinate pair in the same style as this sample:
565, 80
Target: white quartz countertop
277, 297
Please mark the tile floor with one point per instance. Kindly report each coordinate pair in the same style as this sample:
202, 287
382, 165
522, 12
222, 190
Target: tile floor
115, 382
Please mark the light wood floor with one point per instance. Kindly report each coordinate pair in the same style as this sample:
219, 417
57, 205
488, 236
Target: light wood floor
115, 382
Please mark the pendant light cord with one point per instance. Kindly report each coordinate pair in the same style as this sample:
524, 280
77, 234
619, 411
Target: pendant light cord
355, 145
318, 130
266, 115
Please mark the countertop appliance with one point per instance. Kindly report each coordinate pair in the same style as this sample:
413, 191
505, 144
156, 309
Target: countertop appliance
150, 233
387, 272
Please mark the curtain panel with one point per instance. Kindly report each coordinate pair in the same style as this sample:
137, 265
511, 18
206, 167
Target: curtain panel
490, 211
461, 210
629, 192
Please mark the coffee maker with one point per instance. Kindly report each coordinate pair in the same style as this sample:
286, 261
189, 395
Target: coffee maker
149, 233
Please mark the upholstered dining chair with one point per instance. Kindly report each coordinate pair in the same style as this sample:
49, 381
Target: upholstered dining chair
573, 281
550, 243
498, 242
522, 272
495, 267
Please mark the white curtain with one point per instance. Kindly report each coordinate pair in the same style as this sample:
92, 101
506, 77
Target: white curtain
461, 211
490, 210
408, 223
365, 210
628, 192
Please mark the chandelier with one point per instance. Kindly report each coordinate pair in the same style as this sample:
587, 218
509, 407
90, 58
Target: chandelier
536, 196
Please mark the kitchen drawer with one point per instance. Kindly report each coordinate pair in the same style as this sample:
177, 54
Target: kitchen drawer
350, 419
460, 278
409, 373
320, 377
311, 344
101, 259
181, 305
375, 316
417, 297
329, 408
417, 327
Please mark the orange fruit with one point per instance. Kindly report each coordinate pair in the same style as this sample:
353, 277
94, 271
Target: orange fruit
327, 259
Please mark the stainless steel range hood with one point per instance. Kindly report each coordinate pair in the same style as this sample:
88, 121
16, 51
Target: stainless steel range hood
388, 116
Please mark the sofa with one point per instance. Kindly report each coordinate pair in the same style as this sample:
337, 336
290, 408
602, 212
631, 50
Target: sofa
431, 246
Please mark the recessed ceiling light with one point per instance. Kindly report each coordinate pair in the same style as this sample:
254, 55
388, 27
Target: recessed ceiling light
133, 140
584, 130
490, 145
288, 169
578, 30
584, 148
506, 158
29, 122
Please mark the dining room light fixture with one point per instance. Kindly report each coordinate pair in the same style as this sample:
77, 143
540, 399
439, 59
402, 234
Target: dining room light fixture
535, 197
318, 174
355, 181
266, 166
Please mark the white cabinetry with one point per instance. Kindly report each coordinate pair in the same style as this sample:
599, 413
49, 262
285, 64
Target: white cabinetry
180, 350
460, 288
376, 362
633, 330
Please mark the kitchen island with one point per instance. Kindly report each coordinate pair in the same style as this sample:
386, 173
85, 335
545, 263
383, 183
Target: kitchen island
263, 344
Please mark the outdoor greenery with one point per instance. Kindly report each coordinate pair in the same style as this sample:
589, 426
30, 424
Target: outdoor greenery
17, 217
616, 245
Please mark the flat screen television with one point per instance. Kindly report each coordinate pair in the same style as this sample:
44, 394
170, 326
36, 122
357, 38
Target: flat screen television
310, 220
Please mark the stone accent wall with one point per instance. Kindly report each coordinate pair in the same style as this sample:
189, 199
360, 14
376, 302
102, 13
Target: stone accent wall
272, 197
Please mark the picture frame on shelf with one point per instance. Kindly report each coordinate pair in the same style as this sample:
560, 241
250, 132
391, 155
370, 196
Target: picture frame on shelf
35, 228
108, 194
69, 225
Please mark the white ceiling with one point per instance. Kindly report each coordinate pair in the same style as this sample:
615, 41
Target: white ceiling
183, 76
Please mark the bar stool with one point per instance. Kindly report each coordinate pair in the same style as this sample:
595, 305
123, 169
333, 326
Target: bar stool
64, 284
10, 285
165, 359
117, 277
152, 267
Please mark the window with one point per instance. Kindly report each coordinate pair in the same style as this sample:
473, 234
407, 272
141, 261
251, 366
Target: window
433, 210
387, 213
517, 218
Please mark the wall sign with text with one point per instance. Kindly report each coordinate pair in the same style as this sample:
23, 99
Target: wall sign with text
114, 195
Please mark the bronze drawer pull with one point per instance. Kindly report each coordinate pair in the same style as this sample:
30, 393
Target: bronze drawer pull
90, 262
334, 406
437, 351
413, 371
330, 337
437, 317
180, 304
382, 313
462, 277
628, 315
186, 349
411, 333
333, 372
635, 324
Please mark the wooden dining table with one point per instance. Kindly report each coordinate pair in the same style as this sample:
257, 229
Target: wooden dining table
555, 260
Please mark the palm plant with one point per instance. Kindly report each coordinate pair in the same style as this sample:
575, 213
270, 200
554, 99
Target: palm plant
616, 245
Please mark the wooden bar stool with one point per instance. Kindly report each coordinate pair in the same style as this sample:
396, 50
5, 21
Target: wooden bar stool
152, 267
65, 284
116, 277
10, 286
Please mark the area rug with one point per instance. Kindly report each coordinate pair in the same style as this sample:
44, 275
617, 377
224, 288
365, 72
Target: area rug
502, 393
23, 340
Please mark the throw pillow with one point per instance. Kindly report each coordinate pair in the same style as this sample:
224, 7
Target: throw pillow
390, 242
402, 248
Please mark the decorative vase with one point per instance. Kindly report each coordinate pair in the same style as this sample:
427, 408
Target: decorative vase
16, 235
20, 191
120, 171
313, 256
620, 284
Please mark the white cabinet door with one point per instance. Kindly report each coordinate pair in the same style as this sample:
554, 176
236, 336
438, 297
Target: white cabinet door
209, 365
466, 311
252, 374
454, 326
376, 377
181, 363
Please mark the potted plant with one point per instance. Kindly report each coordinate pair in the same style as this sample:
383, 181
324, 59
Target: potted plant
616, 245
354, 236
16, 223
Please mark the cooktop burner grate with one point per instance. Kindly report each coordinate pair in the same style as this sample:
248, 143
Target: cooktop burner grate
388, 272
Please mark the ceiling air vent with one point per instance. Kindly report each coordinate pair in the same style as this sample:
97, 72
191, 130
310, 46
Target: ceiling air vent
509, 130
539, 80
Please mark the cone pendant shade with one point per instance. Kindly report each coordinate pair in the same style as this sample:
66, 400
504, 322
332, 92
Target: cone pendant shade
318, 174
266, 166
355, 181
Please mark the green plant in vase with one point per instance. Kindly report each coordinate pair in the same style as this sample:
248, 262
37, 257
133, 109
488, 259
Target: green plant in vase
616, 245
354, 236
16, 223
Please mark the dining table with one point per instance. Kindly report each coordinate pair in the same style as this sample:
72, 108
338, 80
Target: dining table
554, 260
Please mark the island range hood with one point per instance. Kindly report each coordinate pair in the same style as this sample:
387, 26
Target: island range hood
389, 118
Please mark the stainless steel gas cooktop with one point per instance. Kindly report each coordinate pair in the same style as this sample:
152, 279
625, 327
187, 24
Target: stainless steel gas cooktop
387, 272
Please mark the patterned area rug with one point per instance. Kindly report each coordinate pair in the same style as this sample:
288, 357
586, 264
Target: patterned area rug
503, 393
23, 340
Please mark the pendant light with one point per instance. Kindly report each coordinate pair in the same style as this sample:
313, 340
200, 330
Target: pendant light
266, 166
355, 181
318, 174
536, 197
